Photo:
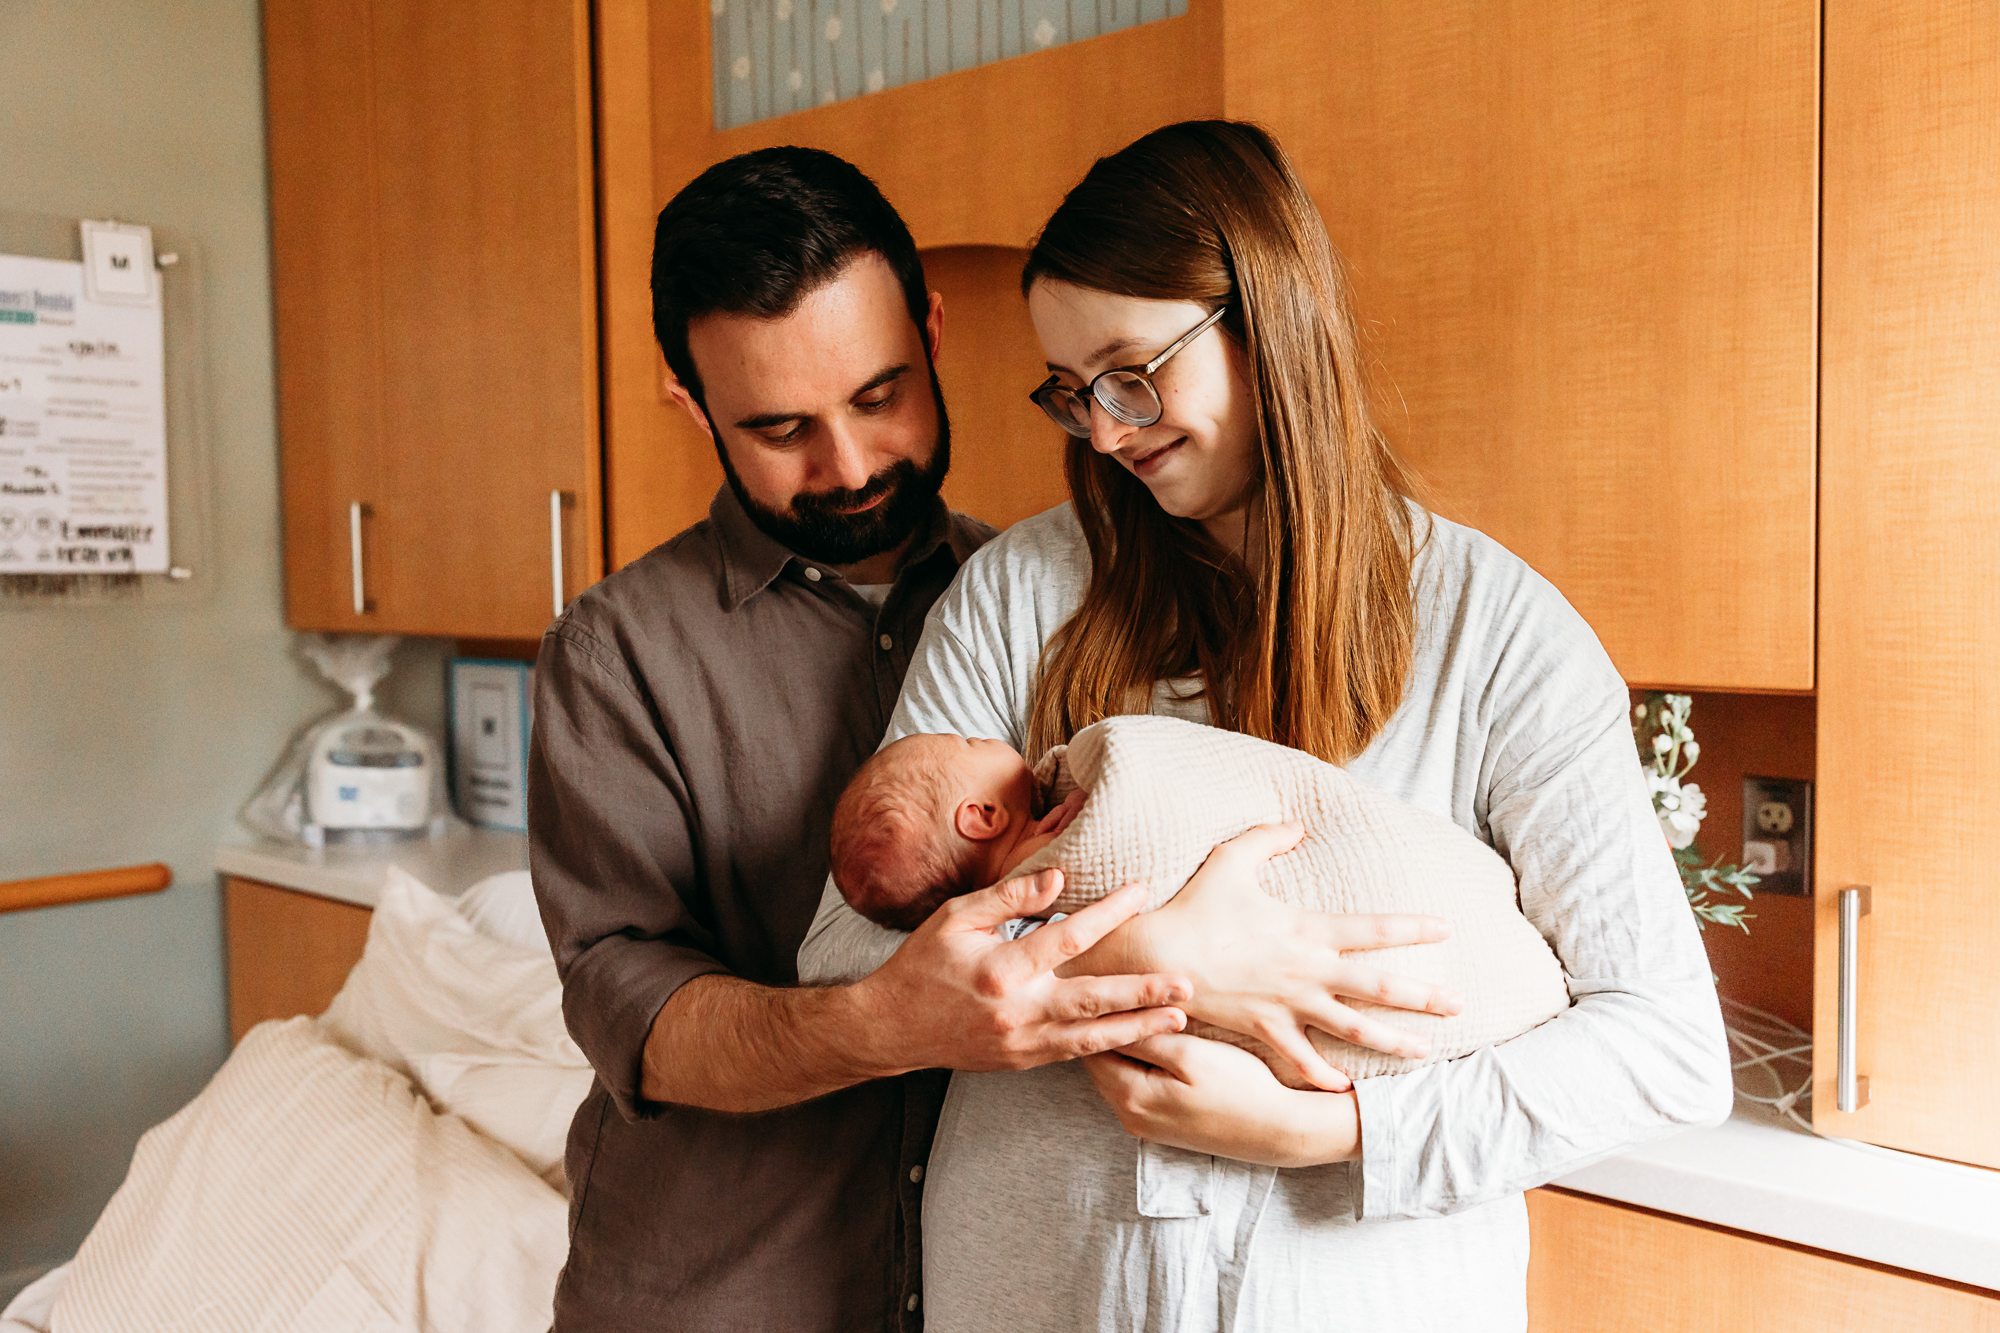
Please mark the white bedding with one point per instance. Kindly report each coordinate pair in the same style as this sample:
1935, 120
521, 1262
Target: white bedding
456, 1034
1164, 792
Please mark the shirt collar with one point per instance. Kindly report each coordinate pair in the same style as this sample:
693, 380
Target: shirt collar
752, 560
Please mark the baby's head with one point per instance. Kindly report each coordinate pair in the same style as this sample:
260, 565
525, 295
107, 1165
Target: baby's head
926, 819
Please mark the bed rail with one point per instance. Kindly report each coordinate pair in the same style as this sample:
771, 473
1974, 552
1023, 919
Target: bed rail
21, 895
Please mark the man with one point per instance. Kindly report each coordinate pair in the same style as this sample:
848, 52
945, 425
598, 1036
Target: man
752, 1153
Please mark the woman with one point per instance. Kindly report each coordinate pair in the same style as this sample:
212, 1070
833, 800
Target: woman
1241, 550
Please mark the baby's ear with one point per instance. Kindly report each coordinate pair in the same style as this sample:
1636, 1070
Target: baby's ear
978, 821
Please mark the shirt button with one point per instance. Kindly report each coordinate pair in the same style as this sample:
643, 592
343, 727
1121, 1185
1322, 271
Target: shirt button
911, 1304
917, 1175
812, 573
886, 642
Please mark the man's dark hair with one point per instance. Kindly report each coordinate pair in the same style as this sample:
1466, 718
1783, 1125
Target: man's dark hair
755, 234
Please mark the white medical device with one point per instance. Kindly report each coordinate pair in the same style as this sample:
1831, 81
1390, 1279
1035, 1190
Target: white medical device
369, 774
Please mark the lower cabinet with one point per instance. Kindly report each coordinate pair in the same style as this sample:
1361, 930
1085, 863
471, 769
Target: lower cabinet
289, 952
1595, 1266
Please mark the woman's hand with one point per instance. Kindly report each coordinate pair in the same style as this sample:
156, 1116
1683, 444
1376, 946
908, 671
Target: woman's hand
1269, 970
1209, 1097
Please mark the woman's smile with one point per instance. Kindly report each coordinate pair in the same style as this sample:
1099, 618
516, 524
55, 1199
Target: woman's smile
1148, 461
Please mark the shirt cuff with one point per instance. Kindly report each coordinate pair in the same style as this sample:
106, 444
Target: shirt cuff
612, 992
1380, 1151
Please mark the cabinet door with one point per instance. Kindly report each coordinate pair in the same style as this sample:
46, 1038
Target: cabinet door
1909, 706
1594, 1266
289, 953
326, 274
1581, 243
448, 212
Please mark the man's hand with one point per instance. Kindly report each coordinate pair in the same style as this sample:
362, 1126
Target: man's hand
1270, 971
959, 996
1209, 1097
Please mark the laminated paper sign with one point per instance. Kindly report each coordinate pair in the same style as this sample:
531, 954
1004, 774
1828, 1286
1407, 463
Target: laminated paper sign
83, 447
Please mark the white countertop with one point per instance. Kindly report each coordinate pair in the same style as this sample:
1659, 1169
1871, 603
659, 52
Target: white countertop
1758, 1172
450, 864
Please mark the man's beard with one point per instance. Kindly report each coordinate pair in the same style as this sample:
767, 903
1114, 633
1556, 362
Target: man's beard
818, 530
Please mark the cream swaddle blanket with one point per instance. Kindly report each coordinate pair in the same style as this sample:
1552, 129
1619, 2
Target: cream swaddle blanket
1164, 792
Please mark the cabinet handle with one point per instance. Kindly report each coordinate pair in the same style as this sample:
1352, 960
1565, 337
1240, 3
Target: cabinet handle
1851, 1089
558, 501
355, 513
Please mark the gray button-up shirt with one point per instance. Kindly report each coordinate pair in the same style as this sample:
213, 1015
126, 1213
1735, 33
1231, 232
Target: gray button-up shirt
697, 714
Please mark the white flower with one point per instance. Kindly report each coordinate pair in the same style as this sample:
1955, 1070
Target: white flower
1045, 33
1680, 809
741, 69
1692, 751
795, 80
784, 11
1662, 743
833, 28
1638, 712
874, 80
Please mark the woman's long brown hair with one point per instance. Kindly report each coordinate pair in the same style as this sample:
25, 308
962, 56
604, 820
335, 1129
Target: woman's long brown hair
1313, 648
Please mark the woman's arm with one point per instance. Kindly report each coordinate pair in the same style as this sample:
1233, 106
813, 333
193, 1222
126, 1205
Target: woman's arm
1639, 1053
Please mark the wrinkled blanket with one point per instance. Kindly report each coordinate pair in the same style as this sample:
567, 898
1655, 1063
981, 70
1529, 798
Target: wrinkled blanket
1164, 792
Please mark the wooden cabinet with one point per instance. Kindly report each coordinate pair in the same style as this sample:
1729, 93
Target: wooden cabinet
289, 953
434, 265
1909, 704
1594, 1266
1581, 240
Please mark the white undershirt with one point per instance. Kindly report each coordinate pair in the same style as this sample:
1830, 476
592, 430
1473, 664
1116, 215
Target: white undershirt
874, 592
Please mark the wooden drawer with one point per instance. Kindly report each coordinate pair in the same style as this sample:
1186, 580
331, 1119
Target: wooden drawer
1597, 1266
288, 952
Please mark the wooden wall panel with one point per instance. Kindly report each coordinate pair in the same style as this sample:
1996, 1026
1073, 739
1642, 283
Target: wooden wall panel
288, 953
1582, 246
1006, 460
976, 158
1595, 1266
1909, 712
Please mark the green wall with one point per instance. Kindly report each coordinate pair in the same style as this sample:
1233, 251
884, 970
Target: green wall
133, 732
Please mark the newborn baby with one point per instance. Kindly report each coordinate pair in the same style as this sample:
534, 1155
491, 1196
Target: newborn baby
931, 817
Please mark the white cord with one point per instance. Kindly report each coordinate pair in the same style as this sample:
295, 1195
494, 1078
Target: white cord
1764, 1041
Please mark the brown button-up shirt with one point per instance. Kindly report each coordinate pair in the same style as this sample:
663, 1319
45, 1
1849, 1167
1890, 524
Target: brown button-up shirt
696, 716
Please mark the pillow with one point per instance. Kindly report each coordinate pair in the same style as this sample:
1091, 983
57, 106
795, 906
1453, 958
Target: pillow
503, 907
475, 1021
312, 1190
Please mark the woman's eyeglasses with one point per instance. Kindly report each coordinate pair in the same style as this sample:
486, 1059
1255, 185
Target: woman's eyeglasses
1126, 392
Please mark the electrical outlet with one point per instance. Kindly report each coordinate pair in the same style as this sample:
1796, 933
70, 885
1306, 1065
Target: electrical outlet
1777, 834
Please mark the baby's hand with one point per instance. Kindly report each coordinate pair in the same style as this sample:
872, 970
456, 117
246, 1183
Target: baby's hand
1058, 819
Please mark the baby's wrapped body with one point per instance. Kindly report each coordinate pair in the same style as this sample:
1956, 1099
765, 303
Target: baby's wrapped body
1164, 792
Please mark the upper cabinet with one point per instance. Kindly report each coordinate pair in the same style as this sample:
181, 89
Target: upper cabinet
434, 245
1582, 245
1909, 706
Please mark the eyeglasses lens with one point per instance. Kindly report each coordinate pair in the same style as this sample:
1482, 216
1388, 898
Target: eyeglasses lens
1065, 409
1128, 396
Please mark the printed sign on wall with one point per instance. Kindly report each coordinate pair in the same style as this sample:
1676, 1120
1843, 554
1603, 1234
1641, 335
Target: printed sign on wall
83, 447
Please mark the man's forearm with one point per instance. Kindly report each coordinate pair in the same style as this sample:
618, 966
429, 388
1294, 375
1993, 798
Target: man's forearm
727, 1044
